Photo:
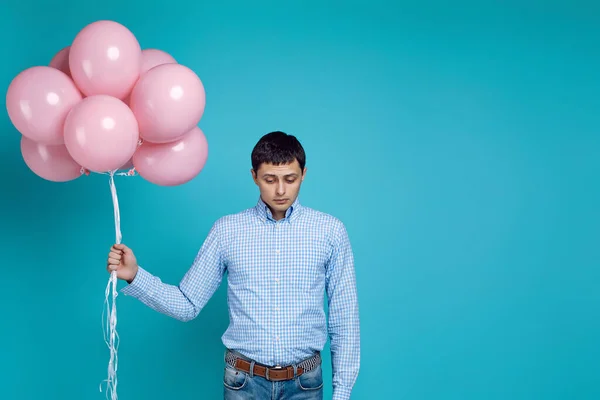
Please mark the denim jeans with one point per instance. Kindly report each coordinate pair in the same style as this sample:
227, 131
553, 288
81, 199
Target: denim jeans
239, 385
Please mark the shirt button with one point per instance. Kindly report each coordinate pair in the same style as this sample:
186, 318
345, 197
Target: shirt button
277, 251
277, 338
276, 308
276, 280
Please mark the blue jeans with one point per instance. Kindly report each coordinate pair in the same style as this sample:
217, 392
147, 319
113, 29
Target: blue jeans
239, 385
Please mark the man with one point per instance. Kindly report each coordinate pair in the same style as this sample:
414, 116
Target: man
280, 258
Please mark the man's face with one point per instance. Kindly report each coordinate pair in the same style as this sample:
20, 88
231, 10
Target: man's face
279, 185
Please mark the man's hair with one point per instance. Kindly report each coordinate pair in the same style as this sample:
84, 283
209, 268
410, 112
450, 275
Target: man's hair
277, 148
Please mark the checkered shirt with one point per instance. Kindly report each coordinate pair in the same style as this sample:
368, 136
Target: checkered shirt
277, 275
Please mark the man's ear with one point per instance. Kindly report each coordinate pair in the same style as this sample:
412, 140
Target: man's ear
303, 173
254, 177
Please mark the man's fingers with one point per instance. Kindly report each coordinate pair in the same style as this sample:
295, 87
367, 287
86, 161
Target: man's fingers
112, 261
122, 247
115, 256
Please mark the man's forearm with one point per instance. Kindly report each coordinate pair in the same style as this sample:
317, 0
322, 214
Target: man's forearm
185, 301
164, 298
345, 355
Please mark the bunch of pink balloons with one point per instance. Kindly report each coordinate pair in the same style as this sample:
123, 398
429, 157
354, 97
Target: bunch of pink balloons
104, 104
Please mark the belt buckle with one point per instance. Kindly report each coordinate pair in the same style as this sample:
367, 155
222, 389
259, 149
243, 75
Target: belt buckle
276, 367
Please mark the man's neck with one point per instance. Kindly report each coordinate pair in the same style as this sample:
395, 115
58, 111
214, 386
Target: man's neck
278, 215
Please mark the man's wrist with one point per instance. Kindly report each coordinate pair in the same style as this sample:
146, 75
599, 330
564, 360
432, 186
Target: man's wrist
341, 393
139, 285
129, 281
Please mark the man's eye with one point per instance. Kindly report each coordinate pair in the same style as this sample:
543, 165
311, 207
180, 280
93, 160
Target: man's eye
269, 180
291, 180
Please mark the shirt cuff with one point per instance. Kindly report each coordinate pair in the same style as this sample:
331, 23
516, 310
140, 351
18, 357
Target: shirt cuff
341, 393
140, 284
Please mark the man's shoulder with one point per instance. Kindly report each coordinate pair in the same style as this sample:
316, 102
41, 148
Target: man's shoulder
322, 217
236, 218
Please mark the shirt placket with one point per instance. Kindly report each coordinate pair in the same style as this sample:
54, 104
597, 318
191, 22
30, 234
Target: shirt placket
276, 302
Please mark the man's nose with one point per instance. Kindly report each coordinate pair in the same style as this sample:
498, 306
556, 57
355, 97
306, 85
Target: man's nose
280, 189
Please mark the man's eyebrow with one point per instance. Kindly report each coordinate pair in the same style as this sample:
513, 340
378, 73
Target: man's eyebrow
274, 175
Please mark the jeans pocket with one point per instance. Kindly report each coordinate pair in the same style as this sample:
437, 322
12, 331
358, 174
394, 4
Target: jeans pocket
311, 380
234, 379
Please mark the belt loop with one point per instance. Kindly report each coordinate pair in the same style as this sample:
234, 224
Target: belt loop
295, 371
252, 369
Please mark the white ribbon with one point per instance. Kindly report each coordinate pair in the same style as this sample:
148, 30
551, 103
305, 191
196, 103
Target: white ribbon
109, 313
111, 337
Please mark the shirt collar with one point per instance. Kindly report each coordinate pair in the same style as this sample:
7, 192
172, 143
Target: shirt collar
264, 212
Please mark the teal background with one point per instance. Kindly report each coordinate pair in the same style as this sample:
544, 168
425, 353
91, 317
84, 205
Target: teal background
457, 141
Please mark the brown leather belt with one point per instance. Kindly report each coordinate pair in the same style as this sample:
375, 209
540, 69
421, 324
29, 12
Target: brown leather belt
274, 374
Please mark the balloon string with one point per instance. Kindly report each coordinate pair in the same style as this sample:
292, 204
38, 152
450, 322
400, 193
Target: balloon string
111, 337
131, 172
109, 313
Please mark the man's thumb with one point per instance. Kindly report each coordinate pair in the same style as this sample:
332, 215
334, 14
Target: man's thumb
122, 247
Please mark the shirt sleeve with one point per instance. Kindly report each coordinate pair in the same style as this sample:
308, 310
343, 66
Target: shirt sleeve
183, 301
344, 329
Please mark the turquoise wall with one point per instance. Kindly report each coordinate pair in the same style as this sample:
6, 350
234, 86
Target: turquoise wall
459, 142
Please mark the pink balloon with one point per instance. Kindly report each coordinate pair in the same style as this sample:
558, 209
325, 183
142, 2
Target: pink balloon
60, 61
101, 133
38, 101
128, 165
105, 58
50, 162
175, 163
153, 57
168, 101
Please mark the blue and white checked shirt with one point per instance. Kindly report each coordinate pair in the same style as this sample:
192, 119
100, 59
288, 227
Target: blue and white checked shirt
277, 275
